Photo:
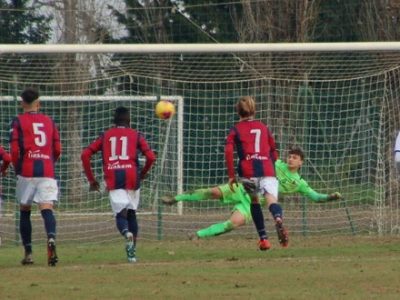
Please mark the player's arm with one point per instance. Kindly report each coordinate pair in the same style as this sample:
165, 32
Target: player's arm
274, 152
149, 154
87, 168
6, 158
14, 142
314, 196
229, 160
56, 143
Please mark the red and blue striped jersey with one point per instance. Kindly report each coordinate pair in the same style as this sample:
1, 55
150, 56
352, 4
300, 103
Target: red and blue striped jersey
35, 145
255, 147
120, 147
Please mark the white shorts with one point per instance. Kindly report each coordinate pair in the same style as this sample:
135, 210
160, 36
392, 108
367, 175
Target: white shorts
121, 198
266, 185
36, 189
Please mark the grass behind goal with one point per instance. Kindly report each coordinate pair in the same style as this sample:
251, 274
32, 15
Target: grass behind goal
353, 268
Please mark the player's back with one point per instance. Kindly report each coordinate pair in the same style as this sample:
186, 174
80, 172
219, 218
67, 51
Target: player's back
120, 158
38, 144
255, 146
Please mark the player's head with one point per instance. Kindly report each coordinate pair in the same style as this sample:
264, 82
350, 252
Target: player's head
122, 116
295, 158
29, 95
30, 99
246, 107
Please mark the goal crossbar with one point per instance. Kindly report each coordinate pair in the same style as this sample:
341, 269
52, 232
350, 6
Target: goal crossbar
199, 48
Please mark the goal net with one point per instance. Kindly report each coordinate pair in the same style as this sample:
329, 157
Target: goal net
341, 106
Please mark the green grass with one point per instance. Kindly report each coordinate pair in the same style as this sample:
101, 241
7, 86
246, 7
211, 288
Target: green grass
221, 268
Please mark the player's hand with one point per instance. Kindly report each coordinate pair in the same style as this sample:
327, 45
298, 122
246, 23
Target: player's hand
249, 186
232, 183
143, 176
94, 186
335, 196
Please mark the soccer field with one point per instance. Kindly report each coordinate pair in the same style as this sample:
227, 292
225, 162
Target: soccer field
361, 267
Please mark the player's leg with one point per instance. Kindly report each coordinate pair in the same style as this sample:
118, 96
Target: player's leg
24, 195
236, 220
120, 201
240, 213
251, 186
197, 195
132, 235
25, 229
127, 226
46, 195
269, 185
134, 198
46, 210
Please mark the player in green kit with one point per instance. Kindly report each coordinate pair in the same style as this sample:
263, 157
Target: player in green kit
290, 182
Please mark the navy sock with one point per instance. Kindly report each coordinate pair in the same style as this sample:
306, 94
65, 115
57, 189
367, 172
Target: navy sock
122, 223
25, 229
132, 222
258, 219
49, 222
276, 210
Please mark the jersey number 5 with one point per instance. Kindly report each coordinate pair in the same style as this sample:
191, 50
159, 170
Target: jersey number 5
40, 136
124, 148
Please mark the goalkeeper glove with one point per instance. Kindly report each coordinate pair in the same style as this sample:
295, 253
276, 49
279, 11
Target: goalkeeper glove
334, 196
232, 183
94, 186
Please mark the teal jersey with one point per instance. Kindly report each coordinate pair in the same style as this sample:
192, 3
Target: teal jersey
291, 183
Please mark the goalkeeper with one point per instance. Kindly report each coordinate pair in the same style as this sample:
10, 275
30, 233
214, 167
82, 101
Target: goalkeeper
290, 182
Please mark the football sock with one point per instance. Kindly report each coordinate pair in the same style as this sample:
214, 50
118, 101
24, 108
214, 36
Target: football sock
25, 229
201, 194
132, 223
276, 210
258, 219
122, 223
215, 229
49, 222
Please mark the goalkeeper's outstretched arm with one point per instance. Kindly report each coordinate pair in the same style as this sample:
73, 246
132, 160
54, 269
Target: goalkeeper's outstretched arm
318, 197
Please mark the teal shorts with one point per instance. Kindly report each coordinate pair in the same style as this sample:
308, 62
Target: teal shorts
238, 198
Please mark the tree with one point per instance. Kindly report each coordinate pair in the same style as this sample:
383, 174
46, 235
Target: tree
21, 24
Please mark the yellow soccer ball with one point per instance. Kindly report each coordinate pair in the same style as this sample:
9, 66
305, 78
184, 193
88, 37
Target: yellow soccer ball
165, 109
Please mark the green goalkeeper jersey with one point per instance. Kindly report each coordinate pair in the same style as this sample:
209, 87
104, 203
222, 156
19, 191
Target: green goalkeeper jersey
291, 183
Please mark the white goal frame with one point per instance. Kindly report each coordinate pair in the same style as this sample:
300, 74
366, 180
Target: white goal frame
222, 48
200, 48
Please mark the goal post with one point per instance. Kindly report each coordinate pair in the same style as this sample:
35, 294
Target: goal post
338, 101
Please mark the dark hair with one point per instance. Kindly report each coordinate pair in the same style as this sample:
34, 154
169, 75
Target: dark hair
121, 116
29, 95
297, 151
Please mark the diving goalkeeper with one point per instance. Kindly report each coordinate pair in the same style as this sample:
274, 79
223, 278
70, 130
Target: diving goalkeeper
290, 182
